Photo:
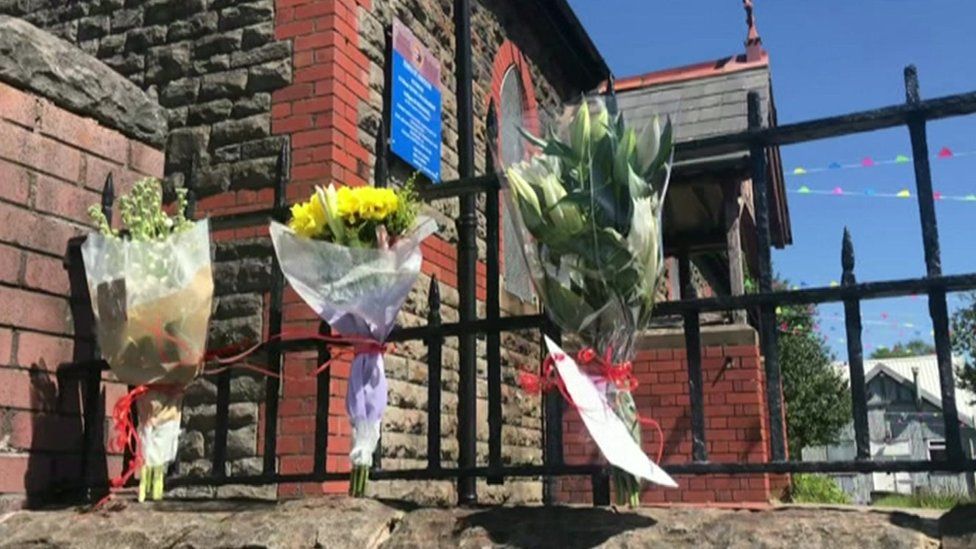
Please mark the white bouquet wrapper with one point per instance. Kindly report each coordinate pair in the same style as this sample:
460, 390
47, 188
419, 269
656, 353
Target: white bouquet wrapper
152, 302
359, 292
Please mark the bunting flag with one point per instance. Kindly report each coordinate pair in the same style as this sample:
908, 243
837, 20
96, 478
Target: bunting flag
944, 153
871, 193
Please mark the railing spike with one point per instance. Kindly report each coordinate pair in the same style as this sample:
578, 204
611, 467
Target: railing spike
108, 197
847, 256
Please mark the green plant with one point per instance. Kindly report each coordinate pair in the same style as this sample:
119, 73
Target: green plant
807, 488
818, 401
142, 213
924, 499
963, 331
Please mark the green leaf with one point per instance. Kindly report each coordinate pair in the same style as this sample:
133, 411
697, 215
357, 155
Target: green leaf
537, 141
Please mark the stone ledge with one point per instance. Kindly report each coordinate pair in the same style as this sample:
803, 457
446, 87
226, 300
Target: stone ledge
711, 336
33, 60
339, 522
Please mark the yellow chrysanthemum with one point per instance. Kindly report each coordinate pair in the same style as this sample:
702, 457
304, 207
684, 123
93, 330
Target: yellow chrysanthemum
366, 203
348, 202
308, 218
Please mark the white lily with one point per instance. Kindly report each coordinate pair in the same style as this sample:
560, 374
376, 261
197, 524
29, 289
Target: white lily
648, 144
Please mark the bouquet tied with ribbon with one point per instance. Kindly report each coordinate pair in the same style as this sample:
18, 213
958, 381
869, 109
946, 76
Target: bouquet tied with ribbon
151, 288
588, 210
353, 254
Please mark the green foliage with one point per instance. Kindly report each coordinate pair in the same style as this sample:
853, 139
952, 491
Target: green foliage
963, 326
924, 499
405, 215
915, 347
818, 401
806, 488
142, 213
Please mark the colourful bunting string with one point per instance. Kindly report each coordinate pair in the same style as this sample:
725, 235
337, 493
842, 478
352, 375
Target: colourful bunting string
869, 162
872, 193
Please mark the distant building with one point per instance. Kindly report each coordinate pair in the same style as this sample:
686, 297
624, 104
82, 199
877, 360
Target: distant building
905, 423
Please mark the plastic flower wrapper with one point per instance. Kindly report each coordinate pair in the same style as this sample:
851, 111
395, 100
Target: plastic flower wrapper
151, 290
353, 255
588, 210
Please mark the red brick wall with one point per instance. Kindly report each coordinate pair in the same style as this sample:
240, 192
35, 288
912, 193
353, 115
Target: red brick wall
53, 165
735, 421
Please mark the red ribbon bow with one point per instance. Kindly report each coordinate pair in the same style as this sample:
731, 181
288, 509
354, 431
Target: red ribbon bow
621, 375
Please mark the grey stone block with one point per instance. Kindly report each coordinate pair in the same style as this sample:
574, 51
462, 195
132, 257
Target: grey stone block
246, 14
257, 35
214, 44
93, 27
227, 153
261, 54
254, 173
257, 103
185, 144
210, 112
224, 84
168, 62
243, 129
140, 39
193, 27
76, 81
179, 92
269, 76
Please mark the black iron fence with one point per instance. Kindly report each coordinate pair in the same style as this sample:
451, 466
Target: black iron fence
914, 114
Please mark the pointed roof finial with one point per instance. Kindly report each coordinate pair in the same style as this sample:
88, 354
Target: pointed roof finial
754, 49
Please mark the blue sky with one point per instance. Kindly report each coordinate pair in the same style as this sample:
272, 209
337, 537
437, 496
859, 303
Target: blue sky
831, 57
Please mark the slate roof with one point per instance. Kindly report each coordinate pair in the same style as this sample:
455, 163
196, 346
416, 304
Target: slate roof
703, 100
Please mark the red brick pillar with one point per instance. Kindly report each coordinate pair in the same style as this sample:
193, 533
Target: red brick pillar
735, 419
319, 113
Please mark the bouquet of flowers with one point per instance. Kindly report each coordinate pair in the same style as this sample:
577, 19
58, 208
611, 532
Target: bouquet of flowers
353, 254
588, 208
151, 290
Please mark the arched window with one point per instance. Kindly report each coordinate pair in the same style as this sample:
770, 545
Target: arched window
512, 116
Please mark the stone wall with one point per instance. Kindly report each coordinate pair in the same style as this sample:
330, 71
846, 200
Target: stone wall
53, 165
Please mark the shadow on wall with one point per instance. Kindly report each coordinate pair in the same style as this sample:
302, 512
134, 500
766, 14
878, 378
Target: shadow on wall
61, 464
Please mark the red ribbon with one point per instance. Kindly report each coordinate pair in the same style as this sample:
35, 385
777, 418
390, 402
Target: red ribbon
340, 345
621, 375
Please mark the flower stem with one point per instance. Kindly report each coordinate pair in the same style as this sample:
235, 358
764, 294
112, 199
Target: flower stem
157, 487
144, 475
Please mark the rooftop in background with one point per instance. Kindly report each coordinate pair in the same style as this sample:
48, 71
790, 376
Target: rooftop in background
705, 100
901, 370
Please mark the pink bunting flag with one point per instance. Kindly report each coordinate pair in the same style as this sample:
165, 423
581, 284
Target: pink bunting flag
937, 195
838, 191
867, 162
884, 316
946, 152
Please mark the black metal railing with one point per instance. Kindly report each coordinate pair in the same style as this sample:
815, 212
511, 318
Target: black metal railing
914, 114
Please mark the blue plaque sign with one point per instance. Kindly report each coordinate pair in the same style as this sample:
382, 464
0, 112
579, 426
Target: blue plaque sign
415, 125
